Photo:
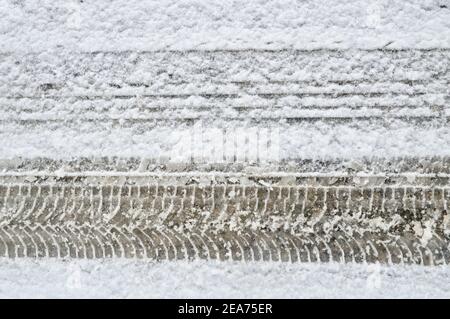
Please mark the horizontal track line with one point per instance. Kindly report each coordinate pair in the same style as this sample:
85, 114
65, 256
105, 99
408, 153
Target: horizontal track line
253, 50
212, 174
420, 118
220, 95
330, 187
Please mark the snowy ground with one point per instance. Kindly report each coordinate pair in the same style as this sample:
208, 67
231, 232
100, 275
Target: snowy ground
178, 80
121, 278
209, 25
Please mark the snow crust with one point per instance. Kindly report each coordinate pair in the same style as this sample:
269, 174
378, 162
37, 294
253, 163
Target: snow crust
56, 32
313, 140
47, 106
193, 24
119, 278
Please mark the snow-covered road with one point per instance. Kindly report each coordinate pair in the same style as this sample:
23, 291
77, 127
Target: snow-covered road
295, 131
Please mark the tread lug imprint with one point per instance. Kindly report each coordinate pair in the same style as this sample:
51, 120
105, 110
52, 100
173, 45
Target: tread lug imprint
288, 223
161, 216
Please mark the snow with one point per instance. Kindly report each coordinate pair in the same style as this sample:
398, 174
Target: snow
316, 139
139, 104
66, 66
119, 278
210, 25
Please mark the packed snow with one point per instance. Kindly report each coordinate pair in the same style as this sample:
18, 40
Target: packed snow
192, 24
119, 278
88, 79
